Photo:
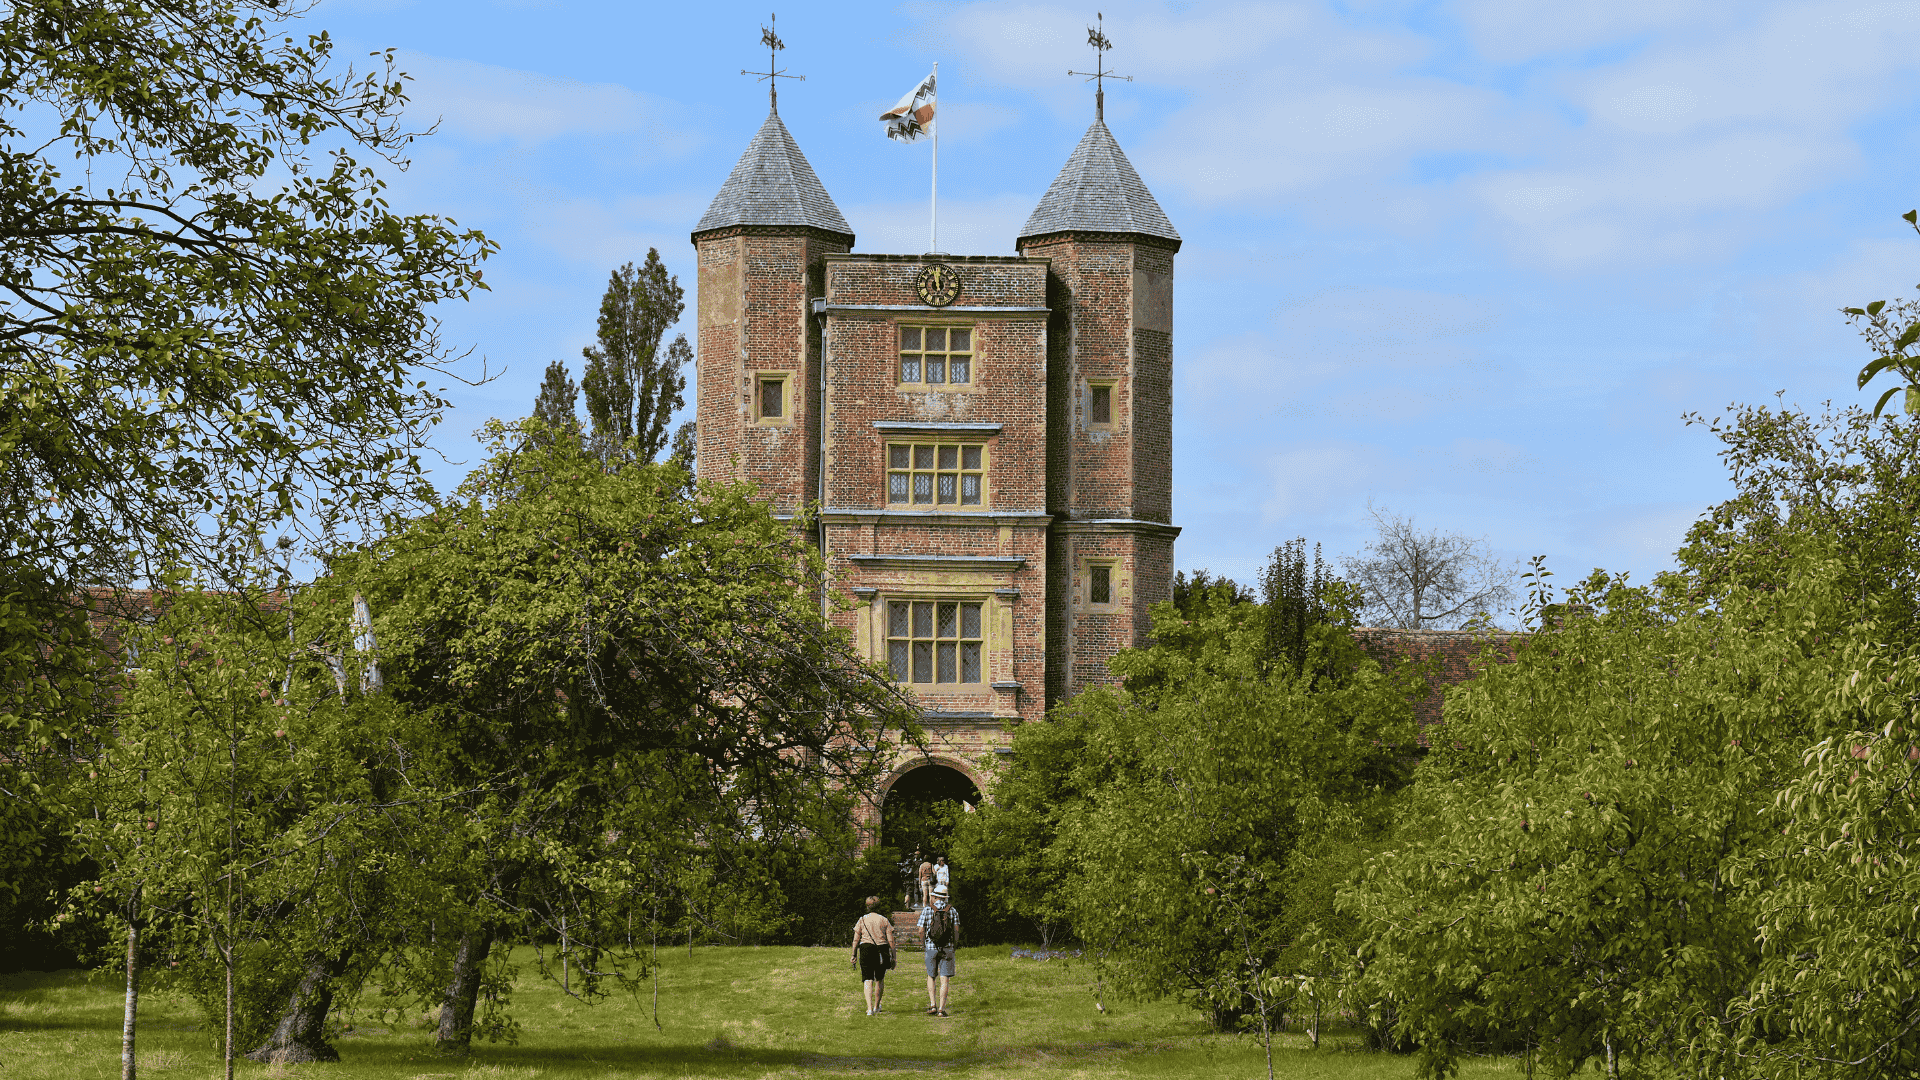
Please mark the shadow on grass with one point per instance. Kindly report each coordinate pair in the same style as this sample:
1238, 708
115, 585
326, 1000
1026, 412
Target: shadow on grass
719, 1057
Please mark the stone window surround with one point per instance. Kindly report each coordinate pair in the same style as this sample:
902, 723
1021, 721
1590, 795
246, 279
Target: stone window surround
756, 379
972, 353
1117, 582
1112, 387
959, 471
997, 608
885, 608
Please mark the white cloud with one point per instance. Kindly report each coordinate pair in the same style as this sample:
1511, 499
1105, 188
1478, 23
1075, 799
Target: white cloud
1375, 316
1601, 136
485, 103
1651, 531
1515, 31
1309, 480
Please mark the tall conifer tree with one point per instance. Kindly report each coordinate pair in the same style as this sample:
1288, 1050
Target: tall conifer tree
632, 385
558, 402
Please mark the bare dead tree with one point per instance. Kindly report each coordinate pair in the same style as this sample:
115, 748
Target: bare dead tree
1414, 580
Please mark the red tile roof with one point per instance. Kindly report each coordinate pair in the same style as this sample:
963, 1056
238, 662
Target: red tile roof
1457, 653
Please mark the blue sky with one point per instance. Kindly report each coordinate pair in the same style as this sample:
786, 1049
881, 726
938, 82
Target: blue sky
1471, 261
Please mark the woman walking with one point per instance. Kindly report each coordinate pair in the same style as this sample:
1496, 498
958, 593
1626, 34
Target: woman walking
873, 952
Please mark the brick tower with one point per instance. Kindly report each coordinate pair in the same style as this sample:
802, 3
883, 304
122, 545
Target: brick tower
987, 438
1109, 250
761, 247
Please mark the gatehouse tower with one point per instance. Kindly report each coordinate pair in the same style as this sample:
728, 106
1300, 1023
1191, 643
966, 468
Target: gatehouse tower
987, 438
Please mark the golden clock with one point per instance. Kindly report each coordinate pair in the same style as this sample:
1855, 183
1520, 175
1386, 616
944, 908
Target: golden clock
937, 285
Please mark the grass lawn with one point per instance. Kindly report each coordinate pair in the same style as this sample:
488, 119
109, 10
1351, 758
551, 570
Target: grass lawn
726, 1012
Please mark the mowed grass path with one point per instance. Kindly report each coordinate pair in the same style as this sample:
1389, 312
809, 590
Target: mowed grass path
724, 1012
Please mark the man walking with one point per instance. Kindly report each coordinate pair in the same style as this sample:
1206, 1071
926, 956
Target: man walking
940, 921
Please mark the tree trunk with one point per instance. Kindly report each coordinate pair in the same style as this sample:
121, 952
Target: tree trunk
300, 1036
133, 1000
456, 1010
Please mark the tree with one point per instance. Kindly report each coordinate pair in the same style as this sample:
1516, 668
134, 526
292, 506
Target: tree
1227, 770
1833, 994
1848, 476
1189, 592
1891, 330
1214, 764
1569, 875
638, 688
632, 386
241, 810
187, 338
1418, 581
686, 447
558, 402
212, 330
1300, 600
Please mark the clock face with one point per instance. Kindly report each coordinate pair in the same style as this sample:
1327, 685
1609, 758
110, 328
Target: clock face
937, 284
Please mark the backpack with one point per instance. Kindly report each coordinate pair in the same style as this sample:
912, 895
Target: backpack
940, 927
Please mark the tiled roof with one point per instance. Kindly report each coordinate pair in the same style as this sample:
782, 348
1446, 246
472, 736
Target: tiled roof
1098, 191
1458, 652
774, 185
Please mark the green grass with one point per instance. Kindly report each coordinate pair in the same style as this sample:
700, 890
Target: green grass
726, 1012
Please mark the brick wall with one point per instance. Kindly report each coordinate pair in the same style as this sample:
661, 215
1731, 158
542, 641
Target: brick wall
755, 320
869, 297
1111, 325
1456, 652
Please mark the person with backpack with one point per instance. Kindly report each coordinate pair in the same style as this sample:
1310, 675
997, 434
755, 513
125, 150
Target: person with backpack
873, 952
940, 921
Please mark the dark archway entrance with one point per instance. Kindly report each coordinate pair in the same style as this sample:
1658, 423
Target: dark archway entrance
921, 807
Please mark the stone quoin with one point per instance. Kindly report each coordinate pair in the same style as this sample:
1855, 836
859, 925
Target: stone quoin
987, 439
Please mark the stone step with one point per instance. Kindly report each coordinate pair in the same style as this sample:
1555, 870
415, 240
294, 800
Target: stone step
906, 930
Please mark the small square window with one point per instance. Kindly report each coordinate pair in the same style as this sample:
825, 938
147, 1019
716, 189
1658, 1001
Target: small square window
1100, 405
773, 399
1099, 584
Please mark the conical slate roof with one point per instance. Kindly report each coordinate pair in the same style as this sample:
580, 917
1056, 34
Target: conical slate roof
773, 185
1098, 191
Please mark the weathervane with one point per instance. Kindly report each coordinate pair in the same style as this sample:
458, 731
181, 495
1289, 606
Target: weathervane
773, 73
1097, 38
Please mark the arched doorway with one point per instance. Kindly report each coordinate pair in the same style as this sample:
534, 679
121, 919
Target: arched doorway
918, 810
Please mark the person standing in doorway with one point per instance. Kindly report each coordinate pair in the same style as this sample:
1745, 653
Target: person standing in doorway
940, 922
923, 886
873, 952
942, 875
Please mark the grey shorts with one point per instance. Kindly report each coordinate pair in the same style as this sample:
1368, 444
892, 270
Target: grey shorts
940, 961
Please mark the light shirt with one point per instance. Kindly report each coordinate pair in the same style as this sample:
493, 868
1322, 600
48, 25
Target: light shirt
940, 874
874, 928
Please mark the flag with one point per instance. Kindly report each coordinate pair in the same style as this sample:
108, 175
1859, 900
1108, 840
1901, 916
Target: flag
913, 116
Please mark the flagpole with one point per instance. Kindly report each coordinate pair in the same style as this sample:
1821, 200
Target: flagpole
935, 226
